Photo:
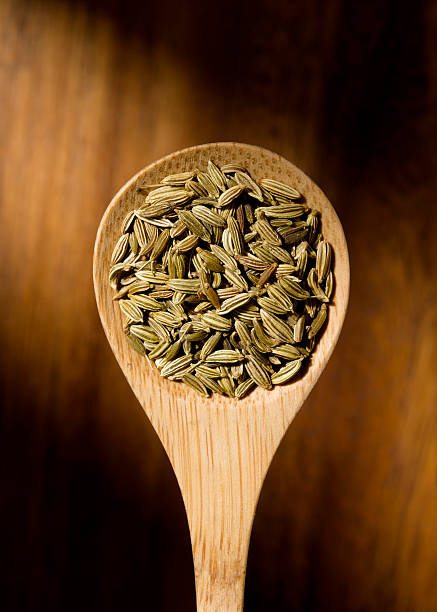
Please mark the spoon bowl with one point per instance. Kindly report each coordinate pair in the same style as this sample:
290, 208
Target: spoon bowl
220, 448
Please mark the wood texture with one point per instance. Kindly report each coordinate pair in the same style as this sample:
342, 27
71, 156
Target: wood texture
220, 448
90, 91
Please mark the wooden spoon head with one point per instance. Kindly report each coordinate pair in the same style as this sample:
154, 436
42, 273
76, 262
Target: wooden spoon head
163, 399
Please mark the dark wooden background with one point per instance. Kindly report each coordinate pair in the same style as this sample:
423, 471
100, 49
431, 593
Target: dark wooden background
90, 92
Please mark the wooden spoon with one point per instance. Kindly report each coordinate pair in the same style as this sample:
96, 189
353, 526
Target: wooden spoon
220, 448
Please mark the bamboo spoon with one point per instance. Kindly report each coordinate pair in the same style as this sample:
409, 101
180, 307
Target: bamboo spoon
220, 448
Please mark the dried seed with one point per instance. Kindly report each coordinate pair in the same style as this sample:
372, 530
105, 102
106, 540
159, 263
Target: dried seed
228, 260
216, 280
235, 278
165, 318
160, 362
216, 175
136, 344
186, 244
116, 273
171, 352
276, 327
212, 296
302, 262
237, 370
159, 350
178, 364
194, 225
160, 244
243, 178
161, 294
155, 211
277, 293
215, 321
285, 270
243, 332
157, 278
204, 200
323, 260
284, 211
259, 358
210, 345
329, 285
168, 195
209, 371
227, 242
122, 293
244, 387
299, 329
141, 233
211, 261
185, 285
318, 321
258, 373
178, 179
237, 239
120, 250
205, 215
272, 306
178, 228
262, 348
160, 222
216, 234
209, 382
278, 253
265, 276
196, 188
206, 182
287, 372
276, 188
315, 287
313, 223
234, 302
293, 288
230, 195
262, 251
226, 386
251, 262
248, 313
133, 244
266, 232
248, 211
226, 292
224, 356
293, 235
287, 351
127, 223
146, 302
231, 168
195, 383
160, 330
131, 310
240, 217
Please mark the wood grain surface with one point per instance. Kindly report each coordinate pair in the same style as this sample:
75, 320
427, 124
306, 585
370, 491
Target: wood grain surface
91, 91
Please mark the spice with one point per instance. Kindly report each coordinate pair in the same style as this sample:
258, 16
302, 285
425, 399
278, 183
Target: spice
223, 281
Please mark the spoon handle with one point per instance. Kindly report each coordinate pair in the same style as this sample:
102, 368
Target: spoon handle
220, 529
220, 514
220, 457
220, 502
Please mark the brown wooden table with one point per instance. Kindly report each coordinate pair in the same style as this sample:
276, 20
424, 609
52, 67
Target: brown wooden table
91, 516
